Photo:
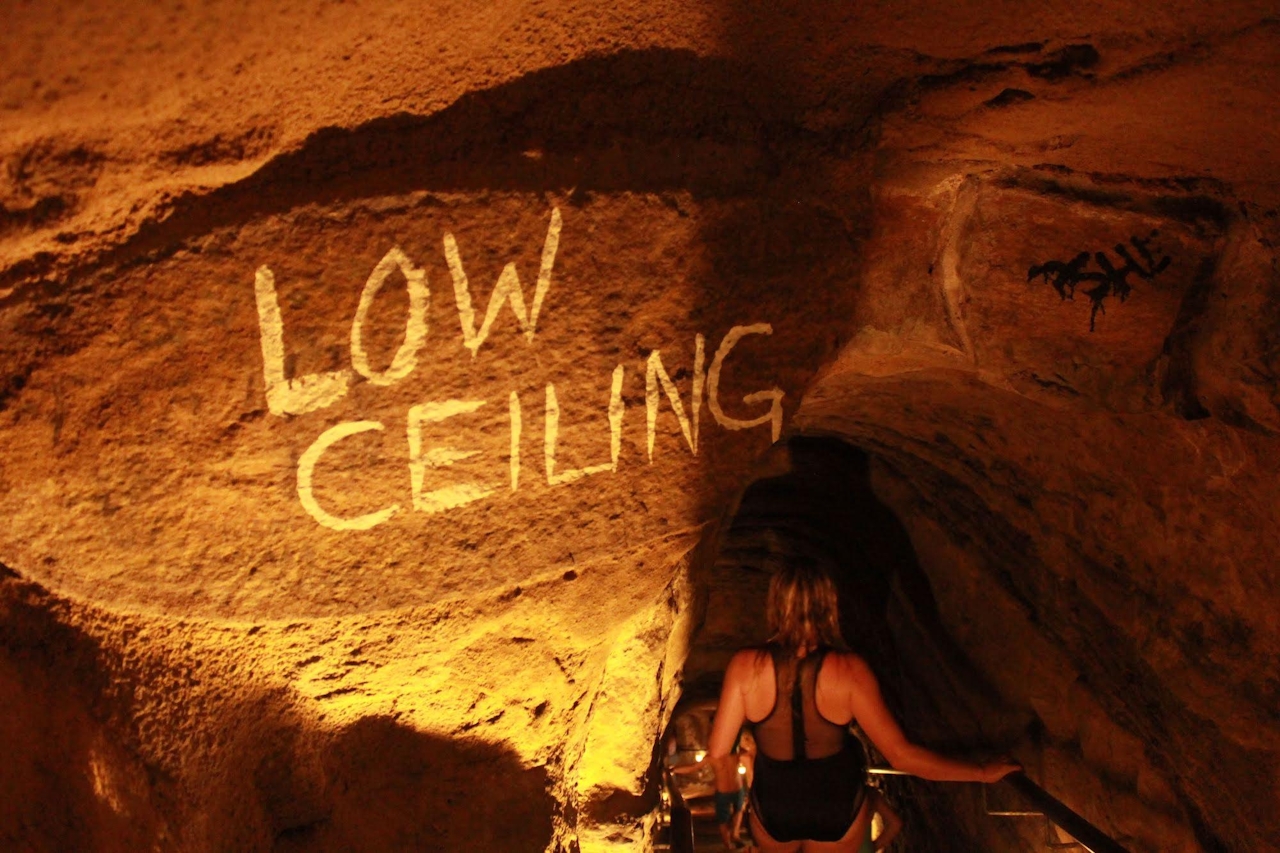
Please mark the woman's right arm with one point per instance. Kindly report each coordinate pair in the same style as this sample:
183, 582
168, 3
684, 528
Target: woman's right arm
877, 722
731, 712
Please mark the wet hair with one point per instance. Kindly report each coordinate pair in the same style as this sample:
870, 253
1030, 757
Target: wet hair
801, 607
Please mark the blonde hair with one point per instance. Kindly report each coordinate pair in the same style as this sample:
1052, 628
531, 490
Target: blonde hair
801, 608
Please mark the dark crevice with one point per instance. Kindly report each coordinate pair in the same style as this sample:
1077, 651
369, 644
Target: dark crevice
43, 210
1202, 203
1009, 97
1026, 47
962, 73
1179, 385
1074, 59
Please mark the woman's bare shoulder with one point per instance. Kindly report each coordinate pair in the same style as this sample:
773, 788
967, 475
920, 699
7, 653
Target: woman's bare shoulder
747, 663
846, 665
750, 658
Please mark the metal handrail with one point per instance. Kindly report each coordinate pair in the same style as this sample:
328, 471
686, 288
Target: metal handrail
1085, 833
1092, 838
1088, 835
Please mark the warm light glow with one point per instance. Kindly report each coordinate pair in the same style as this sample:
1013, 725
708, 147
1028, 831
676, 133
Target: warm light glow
699, 755
742, 771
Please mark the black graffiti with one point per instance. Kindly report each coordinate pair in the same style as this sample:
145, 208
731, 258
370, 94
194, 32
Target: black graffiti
1108, 279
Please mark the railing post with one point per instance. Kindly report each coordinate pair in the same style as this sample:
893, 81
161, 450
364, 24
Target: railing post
681, 825
681, 829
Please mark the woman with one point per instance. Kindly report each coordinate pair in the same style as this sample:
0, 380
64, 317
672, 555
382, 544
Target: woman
801, 692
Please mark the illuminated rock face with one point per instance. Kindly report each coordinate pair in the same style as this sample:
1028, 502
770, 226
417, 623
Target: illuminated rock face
338, 410
378, 460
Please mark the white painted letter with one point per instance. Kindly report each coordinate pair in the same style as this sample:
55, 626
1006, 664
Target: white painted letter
307, 469
774, 395
616, 409
415, 331
449, 497
289, 396
656, 374
506, 290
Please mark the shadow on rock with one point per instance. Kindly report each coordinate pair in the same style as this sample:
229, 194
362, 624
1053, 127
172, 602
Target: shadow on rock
69, 780
393, 788
100, 753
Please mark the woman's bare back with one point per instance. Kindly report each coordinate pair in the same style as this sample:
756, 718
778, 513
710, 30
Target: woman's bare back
760, 689
846, 691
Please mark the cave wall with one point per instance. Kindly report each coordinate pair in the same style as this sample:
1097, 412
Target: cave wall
1103, 596
309, 537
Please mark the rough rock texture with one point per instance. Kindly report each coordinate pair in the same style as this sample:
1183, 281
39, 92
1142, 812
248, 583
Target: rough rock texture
313, 543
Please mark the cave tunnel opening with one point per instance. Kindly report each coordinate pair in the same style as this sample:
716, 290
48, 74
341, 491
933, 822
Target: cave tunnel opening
817, 504
822, 509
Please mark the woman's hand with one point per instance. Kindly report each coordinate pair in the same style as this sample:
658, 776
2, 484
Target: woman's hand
994, 771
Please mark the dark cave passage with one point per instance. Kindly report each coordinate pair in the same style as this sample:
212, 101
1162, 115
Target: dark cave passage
823, 510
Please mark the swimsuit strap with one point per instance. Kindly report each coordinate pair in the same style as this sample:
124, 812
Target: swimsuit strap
797, 713
811, 662
806, 734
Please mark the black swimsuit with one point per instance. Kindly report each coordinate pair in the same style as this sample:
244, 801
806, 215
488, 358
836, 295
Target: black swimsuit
810, 774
